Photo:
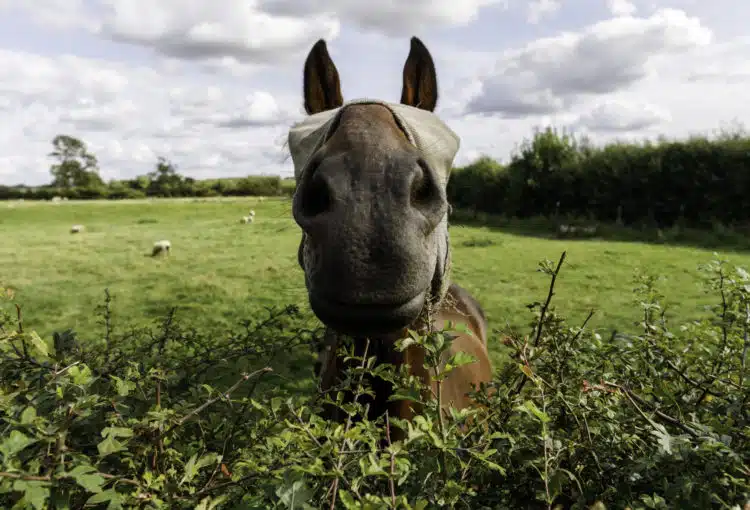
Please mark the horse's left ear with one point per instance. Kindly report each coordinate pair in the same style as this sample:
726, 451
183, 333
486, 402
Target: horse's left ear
420, 79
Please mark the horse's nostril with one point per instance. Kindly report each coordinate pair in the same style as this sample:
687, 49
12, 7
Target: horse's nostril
316, 197
426, 194
423, 189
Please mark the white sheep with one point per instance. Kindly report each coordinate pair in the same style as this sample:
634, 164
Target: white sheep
160, 247
252, 213
247, 219
75, 229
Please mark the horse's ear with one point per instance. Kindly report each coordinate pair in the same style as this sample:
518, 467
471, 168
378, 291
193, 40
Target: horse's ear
322, 88
420, 79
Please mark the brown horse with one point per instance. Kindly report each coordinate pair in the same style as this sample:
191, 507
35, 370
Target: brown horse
371, 203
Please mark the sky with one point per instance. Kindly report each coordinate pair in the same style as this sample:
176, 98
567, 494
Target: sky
215, 86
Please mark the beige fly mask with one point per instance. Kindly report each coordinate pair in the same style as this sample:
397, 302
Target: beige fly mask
437, 143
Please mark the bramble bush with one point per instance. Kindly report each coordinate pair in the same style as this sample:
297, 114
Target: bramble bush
165, 417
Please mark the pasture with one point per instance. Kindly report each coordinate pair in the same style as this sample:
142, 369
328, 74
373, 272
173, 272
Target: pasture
658, 428
222, 271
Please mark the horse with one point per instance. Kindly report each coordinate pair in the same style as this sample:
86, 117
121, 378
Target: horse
372, 207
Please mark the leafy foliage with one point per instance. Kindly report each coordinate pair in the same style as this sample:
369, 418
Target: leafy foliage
699, 182
172, 418
76, 166
695, 182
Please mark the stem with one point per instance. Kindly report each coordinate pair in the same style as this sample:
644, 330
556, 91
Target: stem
391, 484
335, 484
441, 424
543, 313
226, 394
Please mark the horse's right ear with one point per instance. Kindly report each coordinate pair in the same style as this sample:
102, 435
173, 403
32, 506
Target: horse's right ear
322, 88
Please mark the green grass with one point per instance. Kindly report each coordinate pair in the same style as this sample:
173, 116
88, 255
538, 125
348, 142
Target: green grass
221, 271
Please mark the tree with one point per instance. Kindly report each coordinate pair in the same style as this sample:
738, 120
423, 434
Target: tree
164, 179
76, 166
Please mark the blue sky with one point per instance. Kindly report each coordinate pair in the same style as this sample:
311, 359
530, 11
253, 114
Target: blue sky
214, 86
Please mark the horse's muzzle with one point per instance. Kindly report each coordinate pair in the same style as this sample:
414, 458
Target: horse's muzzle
357, 319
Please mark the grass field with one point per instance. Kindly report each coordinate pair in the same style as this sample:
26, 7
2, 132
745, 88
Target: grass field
221, 271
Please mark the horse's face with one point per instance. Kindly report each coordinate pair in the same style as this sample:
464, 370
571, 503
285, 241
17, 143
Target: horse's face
371, 206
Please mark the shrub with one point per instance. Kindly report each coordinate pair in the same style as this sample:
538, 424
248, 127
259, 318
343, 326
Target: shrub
164, 417
694, 182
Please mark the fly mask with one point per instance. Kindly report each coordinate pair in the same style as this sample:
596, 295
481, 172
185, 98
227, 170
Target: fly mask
436, 142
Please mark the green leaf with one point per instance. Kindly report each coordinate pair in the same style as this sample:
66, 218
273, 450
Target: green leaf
459, 359
276, 404
15, 442
117, 432
87, 477
80, 374
39, 344
294, 493
109, 445
123, 387
664, 440
531, 408
209, 504
348, 500
115, 499
193, 466
28, 416
370, 466
34, 492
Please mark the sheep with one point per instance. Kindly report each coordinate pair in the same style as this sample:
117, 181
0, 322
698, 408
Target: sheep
252, 213
161, 247
591, 229
75, 229
247, 219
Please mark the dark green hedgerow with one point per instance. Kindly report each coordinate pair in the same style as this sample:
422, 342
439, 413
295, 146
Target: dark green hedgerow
699, 182
170, 418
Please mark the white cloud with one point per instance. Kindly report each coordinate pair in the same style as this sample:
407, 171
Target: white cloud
56, 13
191, 29
129, 115
616, 116
621, 7
538, 9
392, 17
197, 29
553, 74
202, 101
256, 31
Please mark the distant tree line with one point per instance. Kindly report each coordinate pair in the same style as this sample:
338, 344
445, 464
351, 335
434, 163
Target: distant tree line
75, 175
695, 182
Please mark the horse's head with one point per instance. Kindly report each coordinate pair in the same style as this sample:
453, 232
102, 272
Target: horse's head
371, 198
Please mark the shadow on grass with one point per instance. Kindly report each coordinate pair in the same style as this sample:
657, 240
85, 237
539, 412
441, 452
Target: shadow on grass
718, 238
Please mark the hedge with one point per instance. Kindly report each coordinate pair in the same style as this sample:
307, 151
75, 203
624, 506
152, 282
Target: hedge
165, 417
696, 183
253, 185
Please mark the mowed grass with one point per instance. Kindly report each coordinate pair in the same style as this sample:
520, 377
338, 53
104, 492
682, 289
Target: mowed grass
222, 272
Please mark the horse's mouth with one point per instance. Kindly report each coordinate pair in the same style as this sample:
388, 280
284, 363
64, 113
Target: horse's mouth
356, 319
